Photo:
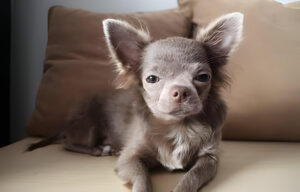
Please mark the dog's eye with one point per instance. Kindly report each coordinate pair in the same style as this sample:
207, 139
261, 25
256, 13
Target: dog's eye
152, 79
203, 77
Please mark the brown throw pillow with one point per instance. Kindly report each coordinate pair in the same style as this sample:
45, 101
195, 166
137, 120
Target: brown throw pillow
264, 99
77, 65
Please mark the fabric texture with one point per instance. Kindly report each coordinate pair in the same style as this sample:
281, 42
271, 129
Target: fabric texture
264, 98
243, 167
77, 65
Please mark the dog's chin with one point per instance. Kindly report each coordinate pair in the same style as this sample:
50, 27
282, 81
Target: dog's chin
175, 115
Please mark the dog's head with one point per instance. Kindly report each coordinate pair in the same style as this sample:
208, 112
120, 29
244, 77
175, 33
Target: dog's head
176, 74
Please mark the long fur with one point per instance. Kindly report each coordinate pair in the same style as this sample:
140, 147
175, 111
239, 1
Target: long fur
146, 124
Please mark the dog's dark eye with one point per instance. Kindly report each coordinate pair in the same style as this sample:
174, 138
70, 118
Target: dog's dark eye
203, 77
152, 79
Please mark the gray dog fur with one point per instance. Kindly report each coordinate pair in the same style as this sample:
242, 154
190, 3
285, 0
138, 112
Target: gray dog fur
167, 110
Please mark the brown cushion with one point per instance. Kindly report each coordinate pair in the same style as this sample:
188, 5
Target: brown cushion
77, 63
264, 99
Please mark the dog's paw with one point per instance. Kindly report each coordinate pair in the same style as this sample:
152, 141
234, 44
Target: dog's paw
123, 176
103, 150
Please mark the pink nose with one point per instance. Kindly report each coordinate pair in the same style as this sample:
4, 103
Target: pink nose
179, 93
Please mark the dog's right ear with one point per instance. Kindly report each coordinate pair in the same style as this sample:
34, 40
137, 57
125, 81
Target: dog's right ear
126, 45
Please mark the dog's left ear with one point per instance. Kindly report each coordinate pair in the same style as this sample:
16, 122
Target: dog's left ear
126, 44
221, 36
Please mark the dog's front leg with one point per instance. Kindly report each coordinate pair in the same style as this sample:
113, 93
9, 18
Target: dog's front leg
130, 168
203, 170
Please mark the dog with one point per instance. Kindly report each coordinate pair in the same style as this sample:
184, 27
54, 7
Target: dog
167, 110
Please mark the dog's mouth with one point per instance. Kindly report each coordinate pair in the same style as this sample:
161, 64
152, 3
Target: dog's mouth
185, 108
178, 113
166, 110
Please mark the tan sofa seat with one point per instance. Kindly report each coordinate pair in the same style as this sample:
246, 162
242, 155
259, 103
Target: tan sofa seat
244, 166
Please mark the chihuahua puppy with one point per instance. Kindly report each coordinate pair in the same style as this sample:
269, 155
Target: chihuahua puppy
167, 110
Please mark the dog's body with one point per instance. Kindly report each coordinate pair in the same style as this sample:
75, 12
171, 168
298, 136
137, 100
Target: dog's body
170, 112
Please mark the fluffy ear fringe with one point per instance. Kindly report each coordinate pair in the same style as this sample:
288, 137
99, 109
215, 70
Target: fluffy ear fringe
224, 33
124, 78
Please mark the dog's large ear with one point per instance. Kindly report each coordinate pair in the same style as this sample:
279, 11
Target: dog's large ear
221, 36
126, 45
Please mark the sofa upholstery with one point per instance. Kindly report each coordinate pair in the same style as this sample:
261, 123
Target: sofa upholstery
244, 167
263, 98
77, 65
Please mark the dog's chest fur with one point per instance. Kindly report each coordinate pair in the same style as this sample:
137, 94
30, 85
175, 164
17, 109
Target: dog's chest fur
180, 145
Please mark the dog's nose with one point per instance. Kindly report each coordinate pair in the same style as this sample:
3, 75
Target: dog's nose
180, 93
